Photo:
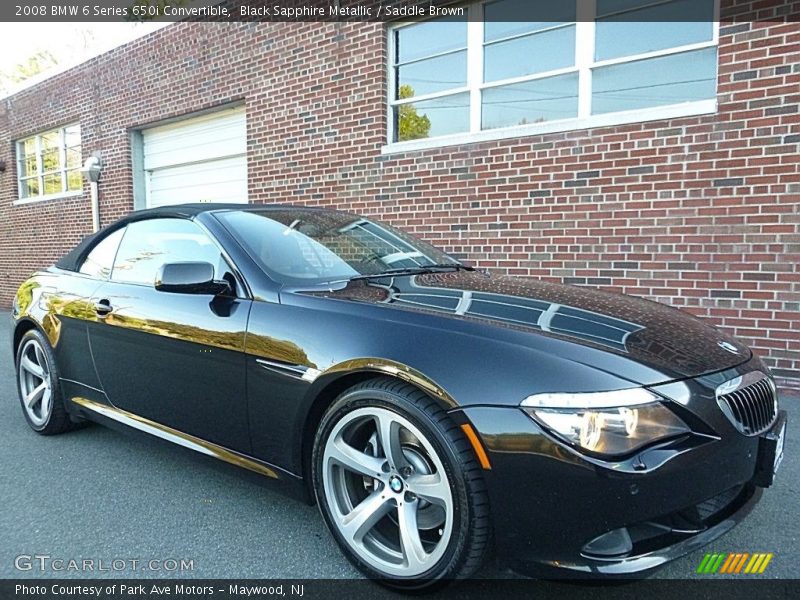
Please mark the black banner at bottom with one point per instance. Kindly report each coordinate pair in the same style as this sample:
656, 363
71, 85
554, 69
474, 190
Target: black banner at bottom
229, 589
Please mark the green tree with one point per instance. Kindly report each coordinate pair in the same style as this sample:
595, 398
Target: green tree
35, 64
410, 124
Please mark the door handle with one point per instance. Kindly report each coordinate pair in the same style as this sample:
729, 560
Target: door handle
103, 308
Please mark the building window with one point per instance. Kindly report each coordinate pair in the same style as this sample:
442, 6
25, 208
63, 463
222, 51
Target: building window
48, 164
486, 74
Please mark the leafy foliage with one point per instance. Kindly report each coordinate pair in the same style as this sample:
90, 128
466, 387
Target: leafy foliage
33, 65
410, 124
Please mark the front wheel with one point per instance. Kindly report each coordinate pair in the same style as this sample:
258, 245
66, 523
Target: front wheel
399, 486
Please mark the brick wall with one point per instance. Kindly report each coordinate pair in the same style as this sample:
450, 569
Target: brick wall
702, 213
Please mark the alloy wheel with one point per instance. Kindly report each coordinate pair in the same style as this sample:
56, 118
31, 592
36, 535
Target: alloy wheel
388, 492
35, 383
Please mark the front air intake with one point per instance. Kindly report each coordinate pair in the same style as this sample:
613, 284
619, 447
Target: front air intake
751, 407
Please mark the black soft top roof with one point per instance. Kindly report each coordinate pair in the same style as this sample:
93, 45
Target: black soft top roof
73, 260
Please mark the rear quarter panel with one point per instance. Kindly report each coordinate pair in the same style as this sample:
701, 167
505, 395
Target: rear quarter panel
57, 303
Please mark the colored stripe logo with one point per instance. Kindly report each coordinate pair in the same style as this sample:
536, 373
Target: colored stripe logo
734, 563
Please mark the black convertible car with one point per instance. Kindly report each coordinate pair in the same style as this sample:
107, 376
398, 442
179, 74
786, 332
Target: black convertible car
430, 410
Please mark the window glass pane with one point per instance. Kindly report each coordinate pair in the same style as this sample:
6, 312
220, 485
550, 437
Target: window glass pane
74, 157
659, 81
50, 140
28, 147
72, 135
52, 184
531, 102
100, 260
28, 166
29, 188
27, 161
606, 7
432, 75
430, 37
531, 54
685, 11
51, 160
74, 181
514, 17
432, 118
654, 28
149, 244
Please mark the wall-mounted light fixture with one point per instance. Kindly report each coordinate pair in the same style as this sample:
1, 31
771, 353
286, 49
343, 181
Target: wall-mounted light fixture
92, 168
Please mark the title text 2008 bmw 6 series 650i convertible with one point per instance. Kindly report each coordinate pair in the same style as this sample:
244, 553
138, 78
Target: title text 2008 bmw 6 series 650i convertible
430, 410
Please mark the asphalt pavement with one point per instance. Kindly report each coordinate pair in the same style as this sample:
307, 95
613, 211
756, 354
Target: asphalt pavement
102, 495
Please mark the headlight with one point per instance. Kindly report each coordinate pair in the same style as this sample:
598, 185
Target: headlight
610, 423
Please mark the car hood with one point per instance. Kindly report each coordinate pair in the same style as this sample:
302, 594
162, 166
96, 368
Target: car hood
665, 339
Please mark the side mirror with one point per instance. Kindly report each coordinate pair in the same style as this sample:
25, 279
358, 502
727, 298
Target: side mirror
190, 278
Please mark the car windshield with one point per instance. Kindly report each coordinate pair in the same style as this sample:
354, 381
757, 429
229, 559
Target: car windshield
300, 246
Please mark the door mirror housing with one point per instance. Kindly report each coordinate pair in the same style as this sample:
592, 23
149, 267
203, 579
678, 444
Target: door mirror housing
190, 278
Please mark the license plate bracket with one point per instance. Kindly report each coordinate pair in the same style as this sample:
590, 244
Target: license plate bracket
770, 452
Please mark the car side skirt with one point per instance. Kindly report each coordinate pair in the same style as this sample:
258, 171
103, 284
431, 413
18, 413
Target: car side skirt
91, 409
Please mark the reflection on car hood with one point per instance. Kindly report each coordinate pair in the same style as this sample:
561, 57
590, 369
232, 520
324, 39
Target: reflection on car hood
647, 332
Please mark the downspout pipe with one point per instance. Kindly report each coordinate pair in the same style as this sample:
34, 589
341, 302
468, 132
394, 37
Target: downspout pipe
95, 195
91, 171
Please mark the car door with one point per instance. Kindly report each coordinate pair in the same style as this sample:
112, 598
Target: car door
174, 359
70, 299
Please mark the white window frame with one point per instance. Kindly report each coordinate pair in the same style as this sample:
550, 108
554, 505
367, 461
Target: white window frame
63, 170
584, 65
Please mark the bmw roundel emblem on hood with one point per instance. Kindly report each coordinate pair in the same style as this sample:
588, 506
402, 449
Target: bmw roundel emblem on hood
728, 346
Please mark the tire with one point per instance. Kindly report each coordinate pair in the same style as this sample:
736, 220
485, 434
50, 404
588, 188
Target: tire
38, 386
414, 516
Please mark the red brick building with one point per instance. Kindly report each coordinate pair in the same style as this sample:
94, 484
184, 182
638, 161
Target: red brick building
661, 161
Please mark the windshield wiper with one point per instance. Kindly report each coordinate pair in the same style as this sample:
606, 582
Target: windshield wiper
421, 270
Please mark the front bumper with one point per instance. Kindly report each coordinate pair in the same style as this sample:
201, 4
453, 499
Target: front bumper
556, 508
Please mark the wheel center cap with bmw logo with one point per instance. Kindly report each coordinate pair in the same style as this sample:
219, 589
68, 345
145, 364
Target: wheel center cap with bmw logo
396, 484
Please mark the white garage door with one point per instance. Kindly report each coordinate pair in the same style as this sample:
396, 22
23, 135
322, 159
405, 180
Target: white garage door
203, 159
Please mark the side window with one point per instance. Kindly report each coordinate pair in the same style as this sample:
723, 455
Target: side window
149, 244
101, 259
